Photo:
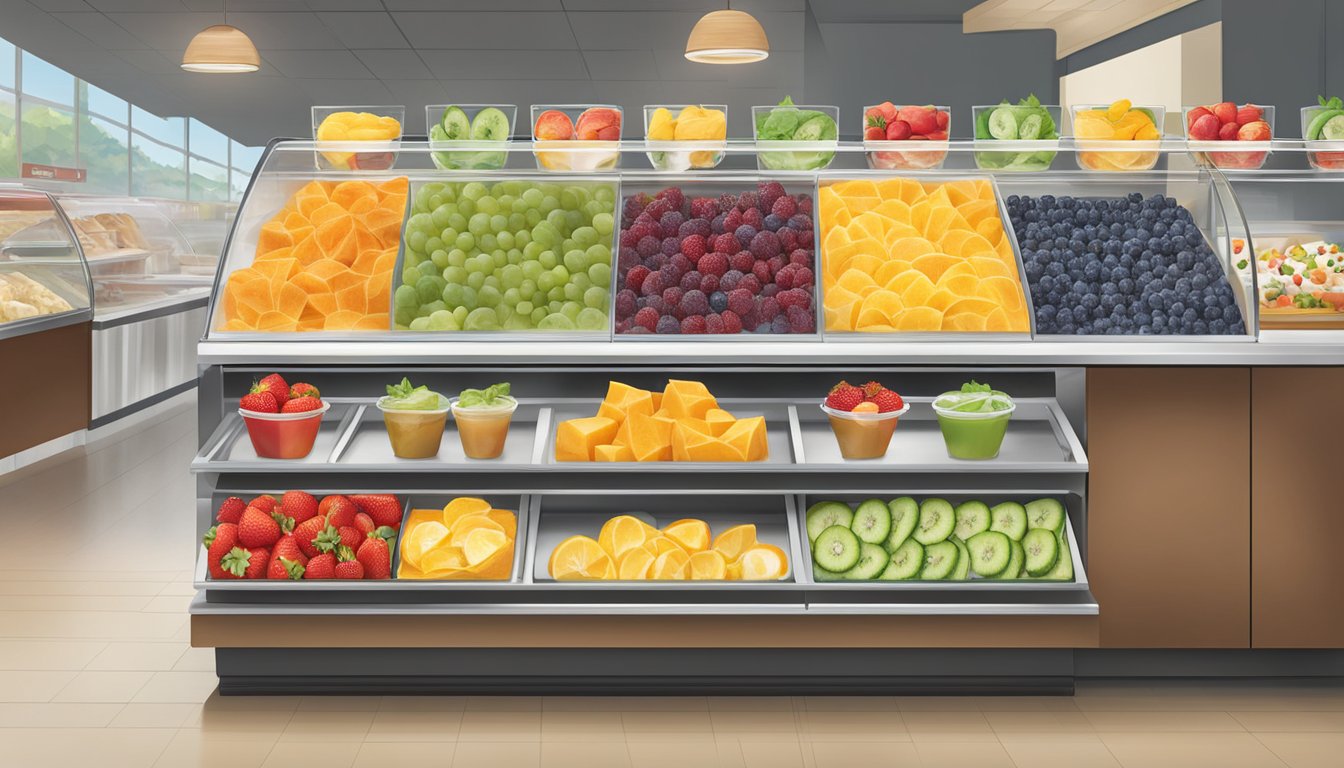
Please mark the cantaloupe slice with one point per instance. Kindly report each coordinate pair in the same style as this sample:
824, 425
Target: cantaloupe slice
342, 320
748, 437
577, 439
650, 439
613, 453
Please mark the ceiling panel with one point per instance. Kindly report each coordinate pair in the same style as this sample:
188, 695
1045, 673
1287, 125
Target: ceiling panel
505, 65
621, 65
340, 65
475, 5
101, 30
363, 93
298, 31
137, 6
627, 30
163, 31
345, 5
506, 31
395, 64
61, 5
151, 62
364, 30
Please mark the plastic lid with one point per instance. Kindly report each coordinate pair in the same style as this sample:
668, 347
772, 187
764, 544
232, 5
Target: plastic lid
444, 405
952, 413
865, 415
510, 407
296, 416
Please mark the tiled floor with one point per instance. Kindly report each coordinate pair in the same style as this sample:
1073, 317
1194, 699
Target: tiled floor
95, 670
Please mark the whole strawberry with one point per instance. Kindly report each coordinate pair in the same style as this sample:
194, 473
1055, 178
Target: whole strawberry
302, 389
888, 401
306, 533
329, 540
246, 563
274, 384
282, 568
298, 506
257, 529
340, 512
259, 402
350, 536
384, 508
301, 404
321, 567
231, 510
871, 389
265, 502
364, 524
288, 547
347, 567
374, 555
844, 396
218, 541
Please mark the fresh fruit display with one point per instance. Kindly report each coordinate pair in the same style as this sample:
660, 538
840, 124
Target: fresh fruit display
902, 256
594, 124
323, 263
490, 123
483, 417
1302, 278
973, 420
888, 122
1324, 122
725, 265
904, 539
863, 418
358, 126
414, 417
1025, 121
1226, 122
787, 122
1121, 121
297, 537
22, 297
466, 540
693, 122
629, 549
681, 423
282, 421
513, 255
1137, 266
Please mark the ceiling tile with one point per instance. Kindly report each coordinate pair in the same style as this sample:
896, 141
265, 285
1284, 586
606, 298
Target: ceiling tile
364, 30
164, 31
476, 30
318, 64
258, 6
669, 29
395, 64
296, 31
151, 62
61, 5
101, 30
363, 93
505, 65
346, 5
621, 65
475, 5
137, 6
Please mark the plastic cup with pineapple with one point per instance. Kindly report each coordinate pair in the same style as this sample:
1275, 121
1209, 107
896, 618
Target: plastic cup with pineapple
683, 137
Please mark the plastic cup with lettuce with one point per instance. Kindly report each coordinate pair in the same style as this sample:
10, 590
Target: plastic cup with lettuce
973, 420
415, 417
483, 417
1028, 130
804, 127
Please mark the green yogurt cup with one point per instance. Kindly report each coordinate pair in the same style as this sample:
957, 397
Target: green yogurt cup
973, 435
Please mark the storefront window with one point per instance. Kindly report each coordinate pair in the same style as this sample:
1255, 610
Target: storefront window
104, 153
167, 130
209, 181
156, 170
7, 56
47, 82
94, 100
48, 134
9, 138
208, 143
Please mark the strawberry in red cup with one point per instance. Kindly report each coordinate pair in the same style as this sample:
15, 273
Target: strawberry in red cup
282, 422
863, 418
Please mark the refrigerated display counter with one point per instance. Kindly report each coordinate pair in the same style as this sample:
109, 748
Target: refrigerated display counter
1113, 308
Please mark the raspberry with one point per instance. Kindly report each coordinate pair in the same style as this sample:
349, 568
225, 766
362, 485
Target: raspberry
731, 322
740, 301
764, 245
800, 320
713, 324
627, 239
623, 326
644, 227
653, 285
694, 247
784, 277
695, 302
648, 245
769, 309
712, 264
776, 263
682, 264
794, 297
803, 278
784, 207
770, 290
800, 221
634, 279
625, 302
805, 204
694, 324
704, 207
657, 304
800, 257
670, 274
773, 223
746, 201
673, 196
709, 284
647, 318
716, 224
769, 193
742, 261
727, 202
744, 234
844, 396
672, 295
732, 220
888, 401
671, 223
633, 206
637, 329
668, 324
670, 246
627, 259
780, 325
751, 320
751, 283
754, 218
788, 239
730, 280
718, 301
695, 227
690, 281
657, 208
655, 262
762, 272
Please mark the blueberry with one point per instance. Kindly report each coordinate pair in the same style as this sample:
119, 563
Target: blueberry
718, 301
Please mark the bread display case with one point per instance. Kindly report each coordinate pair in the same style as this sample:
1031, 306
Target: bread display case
716, 310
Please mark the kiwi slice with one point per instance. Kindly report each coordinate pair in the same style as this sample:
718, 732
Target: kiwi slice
456, 126
872, 561
905, 562
1042, 550
872, 521
972, 518
825, 514
1016, 557
1318, 122
490, 125
1010, 519
836, 549
1030, 128
936, 521
963, 569
821, 574
904, 516
1333, 130
1045, 513
940, 560
1003, 124
990, 553
1063, 570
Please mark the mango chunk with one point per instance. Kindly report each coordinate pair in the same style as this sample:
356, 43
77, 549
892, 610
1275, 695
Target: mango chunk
577, 439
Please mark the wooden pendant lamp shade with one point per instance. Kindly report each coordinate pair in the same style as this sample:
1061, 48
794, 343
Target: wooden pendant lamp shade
727, 37
221, 49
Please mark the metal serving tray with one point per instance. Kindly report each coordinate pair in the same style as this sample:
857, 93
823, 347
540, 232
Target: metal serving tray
367, 446
1039, 439
230, 446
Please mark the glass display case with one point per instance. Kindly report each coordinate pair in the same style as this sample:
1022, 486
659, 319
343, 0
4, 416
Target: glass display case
43, 280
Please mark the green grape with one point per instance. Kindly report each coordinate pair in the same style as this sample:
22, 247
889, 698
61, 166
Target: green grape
533, 217
442, 321
498, 259
457, 221
557, 220
600, 274
511, 276
538, 314
468, 297
595, 297
441, 215
406, 296
422, 198
573, 219
512, 296
466, 241
455, 274
432, 307
591, 319
505, 240
532, 197
473, 191
457, 257
460, 316
544, 235
598, 254
421, 222
409, 275
546, 281
488, 205
561, 274
427, 269
554, 306
487, 242
430, 288
576, 261
548, 203
482, 262
594, 208
603, 223
476, 280
466, 207
605, 194
522, 307
499, 223
556, 294
518, 323
482, 319
568, 245
416, 240
479, 224
419, 324
492, 281
532, 268
572, 292
515, 256
571, 309
556, 322
531, 251
403, 315
580, 280
454, 294
434, 188
433, 243
516, 206
502, 313
548, 260
527, 289
522, 236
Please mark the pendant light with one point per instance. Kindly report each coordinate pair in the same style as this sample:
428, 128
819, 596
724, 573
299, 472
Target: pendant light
221, 49
727, 37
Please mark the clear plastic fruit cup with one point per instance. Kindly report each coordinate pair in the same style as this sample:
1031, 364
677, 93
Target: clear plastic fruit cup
353, 153
476, 150
795, 155
1016, 154
414, 434
1233, 154
863, 435
1111, 154
283, 435
483, 431
974, 435
684, 154
1324, 154
909, 154
556, 151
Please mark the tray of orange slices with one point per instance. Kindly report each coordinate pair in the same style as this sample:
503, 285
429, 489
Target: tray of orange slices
468, 539
908, 256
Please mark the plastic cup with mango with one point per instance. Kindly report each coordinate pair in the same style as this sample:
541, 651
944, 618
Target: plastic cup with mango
357, 138
1105, 133
683, 137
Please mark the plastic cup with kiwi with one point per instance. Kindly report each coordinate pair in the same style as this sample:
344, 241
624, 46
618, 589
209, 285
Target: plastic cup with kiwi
474, 127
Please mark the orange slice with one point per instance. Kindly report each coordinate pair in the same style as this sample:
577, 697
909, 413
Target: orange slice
469, 525
764, 562
672, 565
579, 557
708, 566
635, 565
421, 539
481, 543
621, 534
736, 540
692, 535
463, 506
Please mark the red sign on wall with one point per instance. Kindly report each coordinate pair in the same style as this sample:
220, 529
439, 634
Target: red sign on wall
51, 172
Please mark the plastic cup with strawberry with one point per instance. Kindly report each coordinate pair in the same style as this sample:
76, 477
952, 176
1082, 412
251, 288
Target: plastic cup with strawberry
1214, 129
911, 137
973, 420
863, 418
282, 421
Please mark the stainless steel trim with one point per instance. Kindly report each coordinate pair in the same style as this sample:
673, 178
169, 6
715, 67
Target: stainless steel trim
347, 431
42, 323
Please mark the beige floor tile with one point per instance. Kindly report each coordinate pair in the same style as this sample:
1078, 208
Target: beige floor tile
80, 602
503, 703
157, 716
57, 587
240, 722
190, 749
1007, 723
91, 625
852, 726
104, 686
500, 726
963, 755
948, 727
1189, 750
147, 657
406, 754
414, 726
103, 747
1291, 721
422, 704
1306, 750
562, 725
753, 704
50, 655
19, 686
328, 754
196, 660
851, 703
1162, 722
28, 715
684, 754
667, 722
864, 753
480, 754
584, 755
627, 703
340, 703
178, 687
746, 725
217, 703
783, 752
1054, 754
169, 603
327, 726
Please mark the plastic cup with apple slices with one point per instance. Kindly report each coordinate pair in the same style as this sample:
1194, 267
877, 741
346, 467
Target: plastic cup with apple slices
914, 151
973, 423
863, 434
283, 435
683, 137
1323, 135
415, 418
463, 136
577, 137
1246, 151
483, 417
357, 138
